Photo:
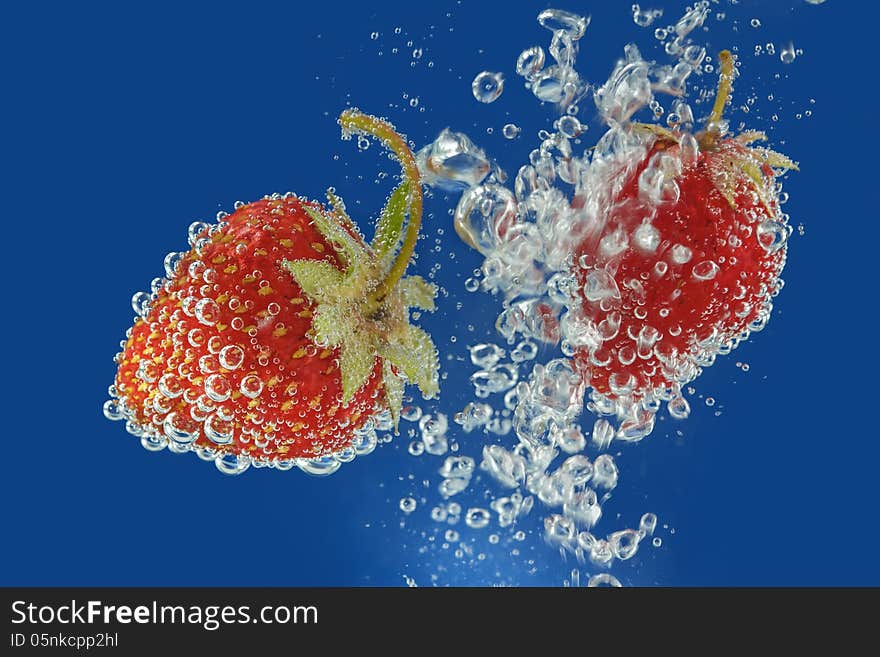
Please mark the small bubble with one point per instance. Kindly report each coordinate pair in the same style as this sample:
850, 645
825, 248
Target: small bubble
477, 518
604, 580
510, 131
487, 86
407, 505
251, 386
530, 62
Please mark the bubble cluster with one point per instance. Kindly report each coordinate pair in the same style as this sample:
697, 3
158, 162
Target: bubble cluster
584, 252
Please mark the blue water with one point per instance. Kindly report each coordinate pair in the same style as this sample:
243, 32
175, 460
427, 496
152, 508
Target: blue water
122, 125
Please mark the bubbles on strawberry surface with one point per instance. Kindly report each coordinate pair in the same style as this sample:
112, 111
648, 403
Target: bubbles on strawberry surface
282, 337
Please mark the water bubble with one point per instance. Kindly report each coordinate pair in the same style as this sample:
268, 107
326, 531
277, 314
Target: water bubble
787, 54
112, 410
457, 467
600, 285
170, 386
772, 235
408, 505
601, 553
530, 62
172, 260
557, 20
231, 357
705, 270
678, 408
474, 415
218, 431
484, 216
477, 518
606, 580
680, 254
178, 429
648, 523
452, 161
569, 126
645, 17
195, 230
487, 86
411, 413
486, 356
624, 543
603, 433
453, 486
230, 464
510, 131
583, 506
578, 468
217, 388
251, 386
605, 472
646, 237
140, 303
147, 371
507, 468
207, 312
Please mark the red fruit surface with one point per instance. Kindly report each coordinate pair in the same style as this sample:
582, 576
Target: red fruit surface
223, 360
664, 310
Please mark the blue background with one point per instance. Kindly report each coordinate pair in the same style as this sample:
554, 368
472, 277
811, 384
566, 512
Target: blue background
124, 123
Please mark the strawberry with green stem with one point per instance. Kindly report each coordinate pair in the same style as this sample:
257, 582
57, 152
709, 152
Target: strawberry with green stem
688, 261
282, 332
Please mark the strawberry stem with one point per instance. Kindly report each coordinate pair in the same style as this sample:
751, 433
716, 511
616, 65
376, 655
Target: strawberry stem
710, 134
354, 121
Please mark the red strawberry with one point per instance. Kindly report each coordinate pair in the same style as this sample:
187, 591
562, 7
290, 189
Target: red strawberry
686, 264
281, 333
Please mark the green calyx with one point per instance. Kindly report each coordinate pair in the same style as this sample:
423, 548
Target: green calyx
363, 309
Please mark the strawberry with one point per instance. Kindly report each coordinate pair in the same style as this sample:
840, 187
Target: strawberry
686, 263
281, 333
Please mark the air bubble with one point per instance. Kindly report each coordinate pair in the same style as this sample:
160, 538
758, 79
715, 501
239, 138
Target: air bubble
510, 131
207, 312
570, 24
477, 518
530, 62
705, 270
487, 86
251, 386
231, 357
604, 580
